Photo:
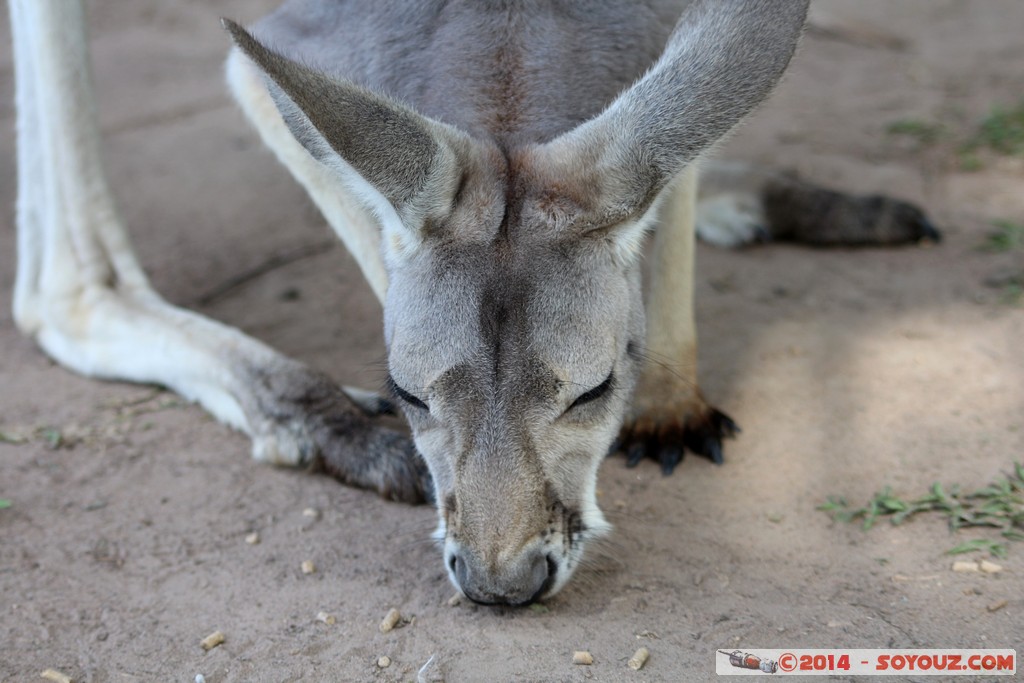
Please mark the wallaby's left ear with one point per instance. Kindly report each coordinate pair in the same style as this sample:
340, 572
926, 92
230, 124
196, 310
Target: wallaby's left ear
722, 59
395, 159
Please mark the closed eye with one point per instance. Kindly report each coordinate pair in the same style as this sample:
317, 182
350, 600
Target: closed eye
595, 393
405, 395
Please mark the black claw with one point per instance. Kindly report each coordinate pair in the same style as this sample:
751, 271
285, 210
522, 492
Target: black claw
669, 458
713, 450
726, 427
702, 434
635, 454
929, 231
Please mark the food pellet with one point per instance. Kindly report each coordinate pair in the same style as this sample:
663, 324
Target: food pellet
455, 600
989, 567
582, 657
311, 512
326, 618
639, 658
253, 538
56, 676
963, 566
213, 640
391, 619
384, 662
308, 567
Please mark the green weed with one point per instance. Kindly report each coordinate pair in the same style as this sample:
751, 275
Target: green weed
999, 505
1006, 237
1002, 130
923, 132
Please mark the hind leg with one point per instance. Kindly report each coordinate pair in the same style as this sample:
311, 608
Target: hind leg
353, 224
356, 227
669, 412
82, 296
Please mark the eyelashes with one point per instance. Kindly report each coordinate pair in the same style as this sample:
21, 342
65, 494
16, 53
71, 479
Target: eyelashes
405, 395
584, 398
595, 393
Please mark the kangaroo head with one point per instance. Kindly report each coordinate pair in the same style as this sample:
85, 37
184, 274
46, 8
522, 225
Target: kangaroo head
513, 317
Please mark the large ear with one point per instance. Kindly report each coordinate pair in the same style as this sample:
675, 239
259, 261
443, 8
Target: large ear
403, 165
722, 59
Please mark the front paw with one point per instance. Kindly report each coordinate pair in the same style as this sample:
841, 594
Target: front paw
666, 438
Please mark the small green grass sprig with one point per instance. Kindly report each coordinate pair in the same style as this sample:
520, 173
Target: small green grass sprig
999, 505
1007, 236
1002, 130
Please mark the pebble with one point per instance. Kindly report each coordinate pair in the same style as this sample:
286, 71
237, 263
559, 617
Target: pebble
326, 618
308, 567
384, 662
582, 657
253, 538
200, 678
311, 512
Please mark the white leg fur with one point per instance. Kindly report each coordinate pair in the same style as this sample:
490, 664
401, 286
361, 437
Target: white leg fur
671, 328
356, 226
79, 290
668, 408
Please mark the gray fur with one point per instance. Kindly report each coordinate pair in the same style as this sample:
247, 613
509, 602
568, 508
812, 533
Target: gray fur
519, 290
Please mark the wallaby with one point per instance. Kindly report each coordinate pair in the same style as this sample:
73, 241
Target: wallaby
494, 167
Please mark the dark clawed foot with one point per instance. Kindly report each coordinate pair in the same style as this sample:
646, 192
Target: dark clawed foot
314, 422
374, 457
667, 442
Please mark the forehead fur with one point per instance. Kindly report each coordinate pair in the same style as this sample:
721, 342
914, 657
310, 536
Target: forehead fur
564, 302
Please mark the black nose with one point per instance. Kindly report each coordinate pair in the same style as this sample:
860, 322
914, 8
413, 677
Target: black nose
520, 583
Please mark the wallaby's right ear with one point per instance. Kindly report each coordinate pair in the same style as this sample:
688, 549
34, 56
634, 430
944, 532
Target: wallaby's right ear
722, 59
402, 164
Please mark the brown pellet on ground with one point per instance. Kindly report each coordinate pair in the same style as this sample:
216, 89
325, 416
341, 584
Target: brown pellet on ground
391, 620
989, 567
582, 657
211, 641
56, 676
639, 658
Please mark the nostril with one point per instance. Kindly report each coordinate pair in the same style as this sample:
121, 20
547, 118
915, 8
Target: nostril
451, 563
545, 568
552, 570
461, 572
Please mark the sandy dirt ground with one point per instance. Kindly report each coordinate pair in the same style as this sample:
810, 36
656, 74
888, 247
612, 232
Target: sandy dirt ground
849, 370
